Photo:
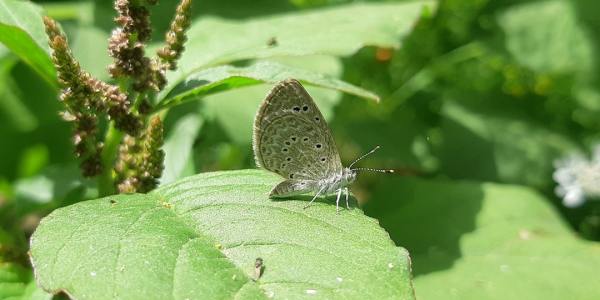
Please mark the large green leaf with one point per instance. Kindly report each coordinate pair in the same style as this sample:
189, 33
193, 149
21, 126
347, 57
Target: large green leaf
221, 78
339, 31
22, 31
472, 240
201, 236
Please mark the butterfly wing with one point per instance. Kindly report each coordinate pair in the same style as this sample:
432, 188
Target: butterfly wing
291, 137
292, 187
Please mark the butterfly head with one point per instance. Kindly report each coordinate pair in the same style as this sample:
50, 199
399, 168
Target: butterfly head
349, 175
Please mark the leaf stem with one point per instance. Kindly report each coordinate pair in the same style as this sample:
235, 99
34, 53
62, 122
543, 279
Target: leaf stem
112, 140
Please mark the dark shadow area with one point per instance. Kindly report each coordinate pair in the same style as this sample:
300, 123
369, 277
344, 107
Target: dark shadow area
587, 12
464, 154
212, 149
329, 199
427, 217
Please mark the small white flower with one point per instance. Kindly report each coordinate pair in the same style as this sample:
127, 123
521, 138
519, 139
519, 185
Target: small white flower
578, 178
574, 197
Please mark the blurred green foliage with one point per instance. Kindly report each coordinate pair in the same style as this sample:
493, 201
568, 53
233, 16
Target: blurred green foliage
478, 103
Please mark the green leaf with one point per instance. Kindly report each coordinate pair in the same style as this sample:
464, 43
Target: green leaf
14, 113
471, 240
13, 280
83, 11
557, 42
38, 100
202, 236
57, 185
89, 46
22, 31
213, 41
178, 147
222, 78
234, 110
17, 282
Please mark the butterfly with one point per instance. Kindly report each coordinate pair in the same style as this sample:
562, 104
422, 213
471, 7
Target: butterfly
292, 139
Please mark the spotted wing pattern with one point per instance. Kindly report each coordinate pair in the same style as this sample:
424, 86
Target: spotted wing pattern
291, 137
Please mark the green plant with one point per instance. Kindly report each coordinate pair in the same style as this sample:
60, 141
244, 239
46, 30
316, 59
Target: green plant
476, 104
248, 225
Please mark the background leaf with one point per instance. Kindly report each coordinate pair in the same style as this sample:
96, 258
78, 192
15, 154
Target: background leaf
229, 77
558, 42
22, 31
233, 111
202, 235
505, 146
216, 41
491, 242
17, 282
178, 148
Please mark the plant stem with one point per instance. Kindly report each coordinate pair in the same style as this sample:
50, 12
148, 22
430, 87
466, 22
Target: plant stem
106, 185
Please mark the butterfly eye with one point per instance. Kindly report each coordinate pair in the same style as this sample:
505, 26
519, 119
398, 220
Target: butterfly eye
318, 146
317, 119
305, 108
323, 159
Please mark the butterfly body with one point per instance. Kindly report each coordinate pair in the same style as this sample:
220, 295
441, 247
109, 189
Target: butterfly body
327, 185
292, 139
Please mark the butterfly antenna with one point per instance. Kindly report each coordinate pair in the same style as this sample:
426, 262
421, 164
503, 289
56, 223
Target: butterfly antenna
374, 170
363, 156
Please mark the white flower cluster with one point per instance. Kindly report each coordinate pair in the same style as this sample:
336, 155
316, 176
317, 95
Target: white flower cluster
578, 178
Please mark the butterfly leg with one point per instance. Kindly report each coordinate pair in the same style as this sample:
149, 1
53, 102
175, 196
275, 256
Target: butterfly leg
337, 201
347, 205
315, 197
